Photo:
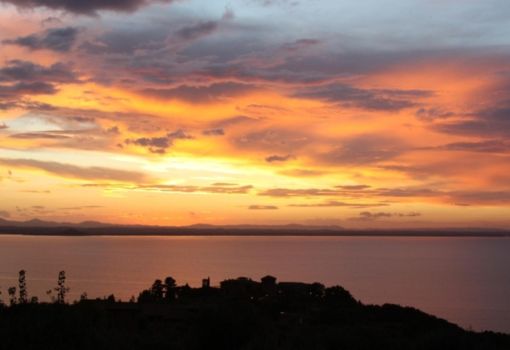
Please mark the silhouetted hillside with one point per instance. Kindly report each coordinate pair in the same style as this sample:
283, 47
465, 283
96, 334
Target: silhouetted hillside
240, 314
89, 228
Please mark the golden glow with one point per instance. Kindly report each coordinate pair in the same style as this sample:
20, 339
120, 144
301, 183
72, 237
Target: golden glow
111, 151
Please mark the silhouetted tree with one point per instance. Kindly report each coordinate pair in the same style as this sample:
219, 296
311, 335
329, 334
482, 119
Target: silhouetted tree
83, 296
145, 296
61, 288
170, 288
339, 295
12, 295
157, 289
22, 284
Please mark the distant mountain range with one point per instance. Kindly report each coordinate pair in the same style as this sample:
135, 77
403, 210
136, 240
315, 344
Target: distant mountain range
97, 224
42, 223
89, 228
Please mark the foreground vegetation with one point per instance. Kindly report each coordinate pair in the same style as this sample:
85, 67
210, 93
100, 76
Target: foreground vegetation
240, 314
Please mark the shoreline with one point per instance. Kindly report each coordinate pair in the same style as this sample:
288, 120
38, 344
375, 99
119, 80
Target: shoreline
65, 231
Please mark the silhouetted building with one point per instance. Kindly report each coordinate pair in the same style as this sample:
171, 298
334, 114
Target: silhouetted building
269, 286
240, 287
294, 288
206, 282
268, 280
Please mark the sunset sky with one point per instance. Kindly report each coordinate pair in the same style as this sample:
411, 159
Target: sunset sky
320, 112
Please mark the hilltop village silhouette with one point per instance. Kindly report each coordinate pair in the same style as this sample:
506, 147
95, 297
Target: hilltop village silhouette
240, 313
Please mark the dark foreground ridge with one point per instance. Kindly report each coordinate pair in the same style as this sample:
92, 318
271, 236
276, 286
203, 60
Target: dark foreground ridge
240, 314
37, 227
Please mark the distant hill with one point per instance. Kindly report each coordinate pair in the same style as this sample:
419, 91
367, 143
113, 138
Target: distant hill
86, 228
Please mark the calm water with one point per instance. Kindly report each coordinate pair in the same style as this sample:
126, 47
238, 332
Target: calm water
465, 280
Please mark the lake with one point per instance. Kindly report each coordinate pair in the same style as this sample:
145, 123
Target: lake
464, 280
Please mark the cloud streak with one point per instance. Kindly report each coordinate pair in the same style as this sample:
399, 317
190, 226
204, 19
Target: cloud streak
370, 99
76, 172
54, 39
84, 7
262, 207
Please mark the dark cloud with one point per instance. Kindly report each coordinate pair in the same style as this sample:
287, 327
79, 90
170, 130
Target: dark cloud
334, 203
369, 216
66, 131
431, 114
277, 158
262, 207
353, 192
214, 132
415, 171
4, 214
21, 89
87, 127
68, 170
487, 123
55, 39
147, 54
34, 210
240, 119
25, 104
371, 99
363, 195
489, 146
303, 172
113, 130
179, 135
400, 192
283, 140
299, 192
353, 187
257, 61
39, 135
159, 144
247, 72
300, 44
3, 126
87, 7
197, 31
410, 214
154, 144
28, 72
201, 94
118, 45
6, 105
219, 189
20, 78
494, 197
481, 197
364, 149
82, 207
